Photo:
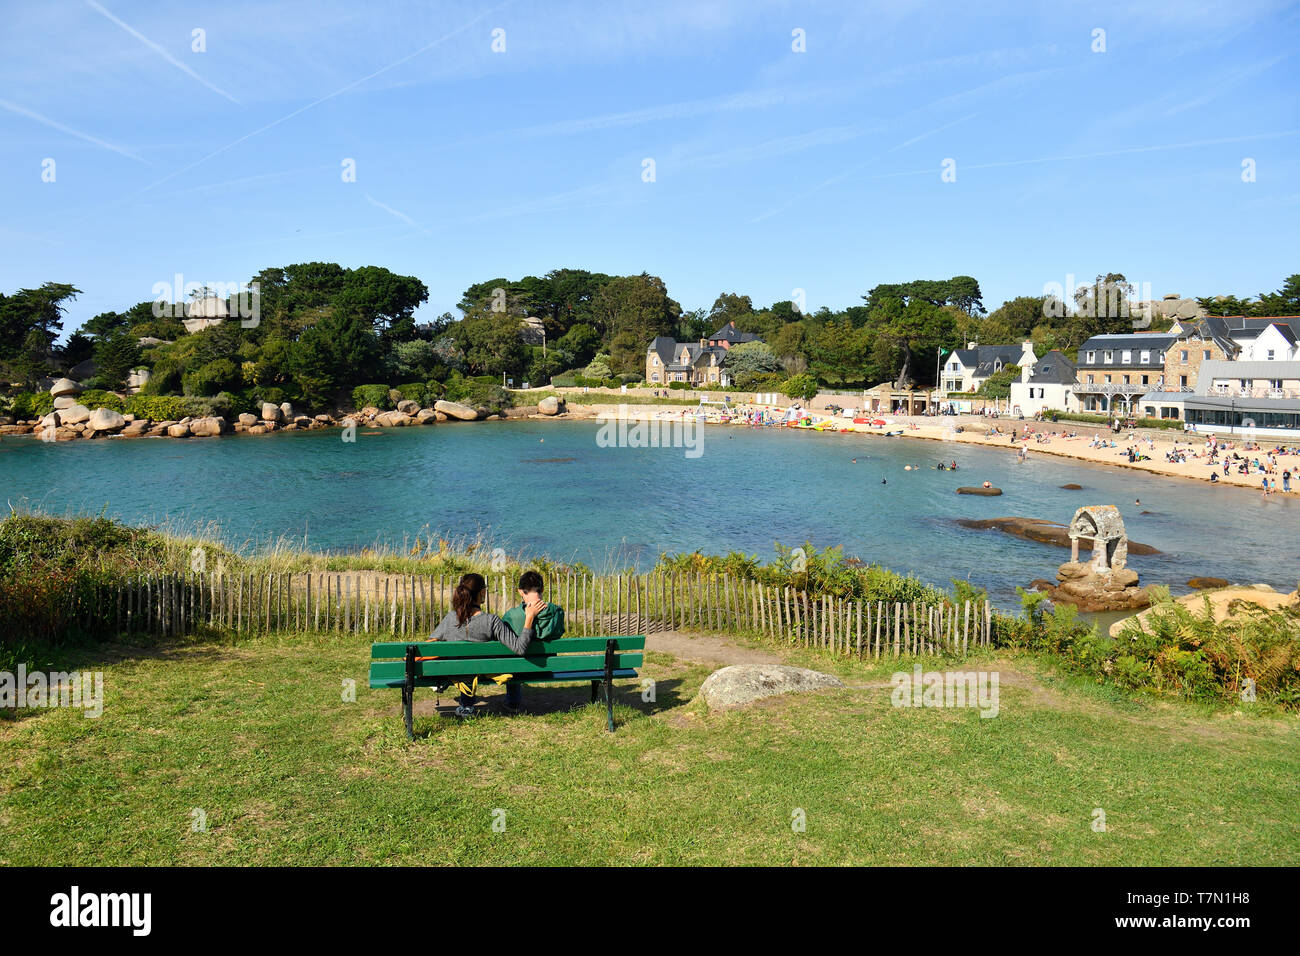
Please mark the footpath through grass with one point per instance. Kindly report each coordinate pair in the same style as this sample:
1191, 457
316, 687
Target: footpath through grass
258, 737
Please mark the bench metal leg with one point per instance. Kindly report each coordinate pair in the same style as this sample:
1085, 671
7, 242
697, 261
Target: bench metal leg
609, 683
408, 693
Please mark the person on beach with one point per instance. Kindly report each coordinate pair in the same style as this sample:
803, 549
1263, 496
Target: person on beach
467, 621
1286, 481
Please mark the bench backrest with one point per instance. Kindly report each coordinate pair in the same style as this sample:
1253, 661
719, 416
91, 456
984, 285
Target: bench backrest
464, 658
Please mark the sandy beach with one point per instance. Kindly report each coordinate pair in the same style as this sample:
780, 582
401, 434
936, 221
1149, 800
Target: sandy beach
1062, 439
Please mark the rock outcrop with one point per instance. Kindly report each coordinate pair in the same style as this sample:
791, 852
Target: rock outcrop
741, 684
456, 410
1039, 529
105, 420
991, 492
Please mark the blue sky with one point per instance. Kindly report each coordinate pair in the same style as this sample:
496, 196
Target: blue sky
774, 170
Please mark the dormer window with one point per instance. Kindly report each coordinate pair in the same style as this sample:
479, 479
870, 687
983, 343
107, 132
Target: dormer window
1109, 356
1092, 357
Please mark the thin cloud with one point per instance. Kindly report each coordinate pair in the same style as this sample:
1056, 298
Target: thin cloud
160, 51
329, 96
53, 124
398, 213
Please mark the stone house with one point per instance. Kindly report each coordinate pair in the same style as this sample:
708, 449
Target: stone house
700, 364
1115, 370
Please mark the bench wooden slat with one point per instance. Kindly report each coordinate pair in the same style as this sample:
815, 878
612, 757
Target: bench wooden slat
566, 677
562, 645
470, 666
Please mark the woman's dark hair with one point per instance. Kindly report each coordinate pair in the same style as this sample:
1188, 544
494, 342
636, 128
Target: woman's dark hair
465, 598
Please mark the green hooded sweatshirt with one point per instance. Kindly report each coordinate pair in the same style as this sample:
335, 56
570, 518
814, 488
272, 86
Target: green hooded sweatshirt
548, 626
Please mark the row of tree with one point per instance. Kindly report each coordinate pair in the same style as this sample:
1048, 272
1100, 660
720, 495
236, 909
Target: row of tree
322, 329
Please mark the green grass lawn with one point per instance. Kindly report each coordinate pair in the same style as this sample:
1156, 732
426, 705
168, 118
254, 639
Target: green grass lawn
257, 735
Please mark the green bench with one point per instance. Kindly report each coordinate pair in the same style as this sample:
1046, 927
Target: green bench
601, 660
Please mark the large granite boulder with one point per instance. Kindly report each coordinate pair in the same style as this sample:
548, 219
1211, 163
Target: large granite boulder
247, 419
65, 386
286, 412
426, 416
741, 684
52, 420
209, 427
271, 413
1090, 589
65, 401
549, 406
456, 410
74, 415
178, 430
408, 407
988, 492
105, 420
391, 420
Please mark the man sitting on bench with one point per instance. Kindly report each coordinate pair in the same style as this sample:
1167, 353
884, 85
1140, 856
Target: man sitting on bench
547, 625
467, 621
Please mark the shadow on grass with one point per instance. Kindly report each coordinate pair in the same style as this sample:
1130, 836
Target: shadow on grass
542, 700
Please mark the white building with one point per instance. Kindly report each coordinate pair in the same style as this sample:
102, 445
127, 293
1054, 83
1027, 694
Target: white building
1045, 385
969, 368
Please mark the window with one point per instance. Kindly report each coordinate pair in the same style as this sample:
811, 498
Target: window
1182, 356
1126, 357
1275, 383
1206, 355
1109, 356
1126, 380
1270, 355
1107, 379
1092, 357
1145, 380
1160, 358
1146, 357
1090, 379
1182, 381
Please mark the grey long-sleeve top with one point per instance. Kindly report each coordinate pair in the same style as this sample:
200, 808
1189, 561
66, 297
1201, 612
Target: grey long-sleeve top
481, 627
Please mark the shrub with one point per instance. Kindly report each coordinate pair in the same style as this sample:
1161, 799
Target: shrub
800, 386
679, 386
415, 392
158, 408
211, 378
32, 404
95, 398
365, 396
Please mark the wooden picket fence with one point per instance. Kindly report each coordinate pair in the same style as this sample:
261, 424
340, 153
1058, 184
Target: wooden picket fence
404, 605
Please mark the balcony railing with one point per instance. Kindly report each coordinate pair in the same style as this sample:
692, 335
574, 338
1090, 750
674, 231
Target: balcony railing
1260, 392
1110, 388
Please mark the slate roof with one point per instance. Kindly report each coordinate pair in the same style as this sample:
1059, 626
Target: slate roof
1154, 343
729, 333
984, 360
1053, 369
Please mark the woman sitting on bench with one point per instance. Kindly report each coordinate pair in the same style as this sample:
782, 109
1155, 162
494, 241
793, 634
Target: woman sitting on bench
467, 621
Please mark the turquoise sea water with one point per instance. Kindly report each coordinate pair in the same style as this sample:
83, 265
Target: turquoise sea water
549, 488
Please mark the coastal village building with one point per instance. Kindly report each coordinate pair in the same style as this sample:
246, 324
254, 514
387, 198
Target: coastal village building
1236, 397
969, 368
1114, 371
729, 335
1045, 385
668, 360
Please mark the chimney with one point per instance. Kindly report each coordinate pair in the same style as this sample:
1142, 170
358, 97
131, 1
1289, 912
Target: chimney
971, 345
704, 343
